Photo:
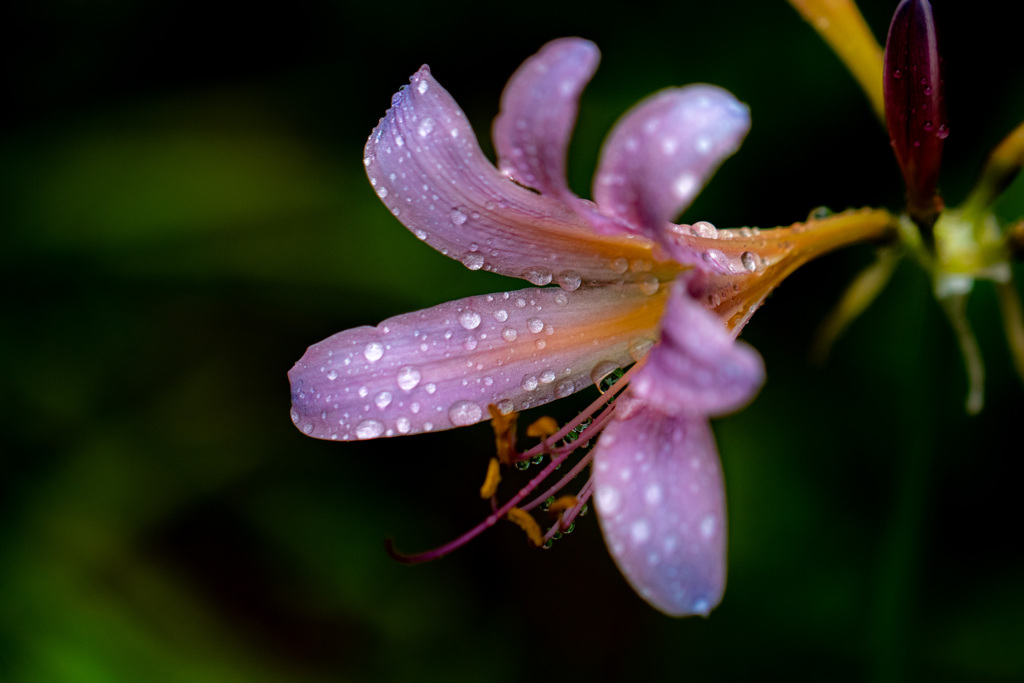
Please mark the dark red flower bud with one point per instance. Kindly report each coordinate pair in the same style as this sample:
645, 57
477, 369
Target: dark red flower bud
915, 107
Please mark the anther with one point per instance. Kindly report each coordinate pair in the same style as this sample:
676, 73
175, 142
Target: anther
490, 486
525, 521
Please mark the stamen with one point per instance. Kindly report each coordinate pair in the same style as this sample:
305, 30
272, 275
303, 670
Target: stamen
542, 428
596, 415
504, 434
563, 503
525, 521
490, 486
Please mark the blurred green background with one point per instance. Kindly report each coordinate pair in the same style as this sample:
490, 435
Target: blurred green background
184, 210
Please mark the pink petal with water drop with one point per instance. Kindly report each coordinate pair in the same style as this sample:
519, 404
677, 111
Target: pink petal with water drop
441, 367
662, 152
661, 505
697, 368
425, 164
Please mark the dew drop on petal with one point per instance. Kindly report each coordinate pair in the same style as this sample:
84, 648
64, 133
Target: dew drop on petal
332, 375
535, 325
403, 425
373, 351
383, 399
639, 347
704, 229
422, 85
426, 126
472, 261
750, 260
569, 280
408, 377
561, 299
537, 276
469, 319
505, 406
602, 370
648, 284
457, 217
369, 429
509, 334
463, 413
620, 265
529, 383
564, 388
547, 377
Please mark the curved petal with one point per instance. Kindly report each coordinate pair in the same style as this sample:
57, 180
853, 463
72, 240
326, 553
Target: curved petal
440, 368
697, 368
538, 112
425, 164
661, 504
662, 152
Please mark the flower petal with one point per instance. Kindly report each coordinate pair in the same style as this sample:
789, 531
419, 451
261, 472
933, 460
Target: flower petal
538, 112
697, 368
662, 152
661, 504
424, 162
440, 368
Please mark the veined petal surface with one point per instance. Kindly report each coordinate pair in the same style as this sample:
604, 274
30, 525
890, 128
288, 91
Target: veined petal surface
441, 367
425, 164
697, 368
661, 504
663, 151
538, 112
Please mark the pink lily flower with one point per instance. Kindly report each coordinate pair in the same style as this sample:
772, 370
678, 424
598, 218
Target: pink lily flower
632, 288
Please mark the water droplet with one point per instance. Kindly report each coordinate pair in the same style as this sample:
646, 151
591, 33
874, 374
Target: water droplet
897, 74
307, 428
373, 351
509, 334
638, 348
430, 388
561, 299
704, 229
540, 344
422, 85
383, 399
472, 261
943, 132
520, 302
750, 260
403, 425
426, 127
537, 276
408, 377
363, 392
708, 526
420, 234
535, 325
569, 280
295, 417
505, 406
547, 377
463, 413
469, 344
369, 429
564, 388
428, 426
382, 192
501, 315
620, 265
332, 375
602, 370
469, 319
529, 383
457, 217
648, 284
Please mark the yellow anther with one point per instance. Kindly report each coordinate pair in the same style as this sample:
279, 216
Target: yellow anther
490, 486
504, 435
525, 521
563, 503
542, 428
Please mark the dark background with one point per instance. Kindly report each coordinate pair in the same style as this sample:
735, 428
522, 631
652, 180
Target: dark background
184, 210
